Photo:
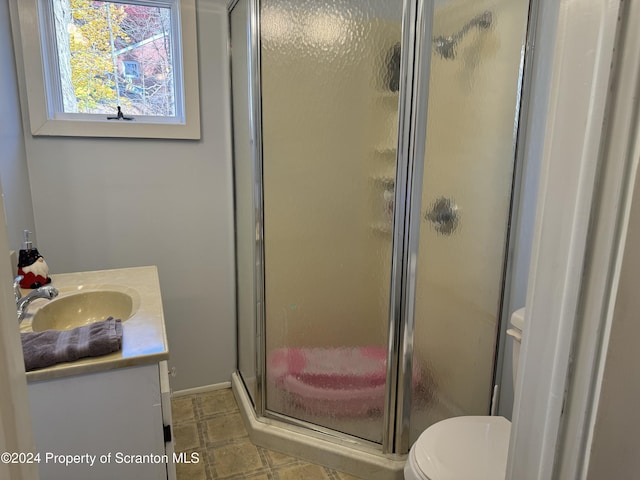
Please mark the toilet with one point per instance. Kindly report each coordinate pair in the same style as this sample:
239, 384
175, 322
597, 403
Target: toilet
468, 447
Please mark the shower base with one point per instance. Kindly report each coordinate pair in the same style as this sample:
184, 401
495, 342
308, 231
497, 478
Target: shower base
333, 451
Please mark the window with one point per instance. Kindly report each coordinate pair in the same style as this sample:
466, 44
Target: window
111, 68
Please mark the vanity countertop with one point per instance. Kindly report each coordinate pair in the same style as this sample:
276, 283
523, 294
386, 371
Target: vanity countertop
144, 337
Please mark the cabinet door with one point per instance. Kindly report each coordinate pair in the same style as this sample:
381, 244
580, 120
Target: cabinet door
116, 413
165, 397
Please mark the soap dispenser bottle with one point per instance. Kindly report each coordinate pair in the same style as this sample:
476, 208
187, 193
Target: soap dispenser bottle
31, 265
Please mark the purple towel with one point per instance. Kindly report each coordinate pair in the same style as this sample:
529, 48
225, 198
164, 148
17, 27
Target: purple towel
43, 349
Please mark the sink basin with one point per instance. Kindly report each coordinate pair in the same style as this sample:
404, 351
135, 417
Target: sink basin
83, 308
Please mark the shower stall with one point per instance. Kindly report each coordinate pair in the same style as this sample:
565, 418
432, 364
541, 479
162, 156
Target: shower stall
374, 156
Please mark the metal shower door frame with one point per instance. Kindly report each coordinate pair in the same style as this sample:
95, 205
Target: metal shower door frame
412, 122
414, 75
255, 99
411, 156
414, 96
255, 123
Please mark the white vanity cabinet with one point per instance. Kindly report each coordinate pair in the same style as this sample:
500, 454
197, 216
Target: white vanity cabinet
120, 416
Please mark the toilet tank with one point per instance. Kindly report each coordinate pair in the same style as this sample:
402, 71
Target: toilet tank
515, 332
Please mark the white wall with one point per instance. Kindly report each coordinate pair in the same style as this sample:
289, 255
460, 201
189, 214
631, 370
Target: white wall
521, 243
571, 67
13, 165
110, 203
614, 447
15, 423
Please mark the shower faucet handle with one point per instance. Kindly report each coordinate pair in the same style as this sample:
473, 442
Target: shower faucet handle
443, 215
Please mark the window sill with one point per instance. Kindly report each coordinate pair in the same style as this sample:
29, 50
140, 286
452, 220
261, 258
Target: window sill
115, 128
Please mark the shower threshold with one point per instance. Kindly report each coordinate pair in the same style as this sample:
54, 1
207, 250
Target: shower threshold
328, 450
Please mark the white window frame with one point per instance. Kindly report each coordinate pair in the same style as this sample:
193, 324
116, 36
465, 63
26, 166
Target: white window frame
43, 94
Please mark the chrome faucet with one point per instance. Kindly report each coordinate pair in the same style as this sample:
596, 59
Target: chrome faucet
22, 303
16, 287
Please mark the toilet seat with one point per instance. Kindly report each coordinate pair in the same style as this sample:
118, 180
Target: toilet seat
461, 448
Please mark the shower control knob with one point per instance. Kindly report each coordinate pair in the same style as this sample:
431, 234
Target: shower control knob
443, 215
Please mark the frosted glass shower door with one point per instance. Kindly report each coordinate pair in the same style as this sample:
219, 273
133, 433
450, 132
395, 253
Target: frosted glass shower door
466, 193
329, 119
244, 197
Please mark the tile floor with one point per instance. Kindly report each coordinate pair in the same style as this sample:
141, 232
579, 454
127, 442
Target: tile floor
210, 424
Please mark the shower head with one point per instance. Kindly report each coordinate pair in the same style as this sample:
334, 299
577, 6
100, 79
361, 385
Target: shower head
446, 46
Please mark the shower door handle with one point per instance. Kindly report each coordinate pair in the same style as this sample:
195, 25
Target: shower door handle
443, 215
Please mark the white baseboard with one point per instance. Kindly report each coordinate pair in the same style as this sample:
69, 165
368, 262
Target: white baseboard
203, 389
